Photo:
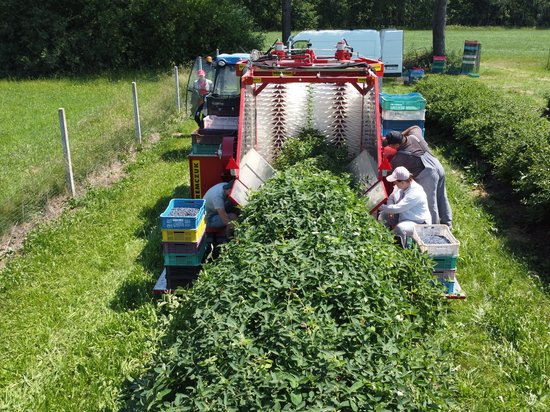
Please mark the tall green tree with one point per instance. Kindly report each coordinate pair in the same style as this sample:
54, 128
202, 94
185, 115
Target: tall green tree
49, 37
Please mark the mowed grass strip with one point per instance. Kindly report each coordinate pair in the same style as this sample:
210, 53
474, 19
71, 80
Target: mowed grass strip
77, 309
499, 334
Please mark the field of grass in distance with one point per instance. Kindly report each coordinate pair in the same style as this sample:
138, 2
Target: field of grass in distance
515, 60
101, 126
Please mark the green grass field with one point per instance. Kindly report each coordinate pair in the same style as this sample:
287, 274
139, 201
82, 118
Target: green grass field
77, 310
100, 122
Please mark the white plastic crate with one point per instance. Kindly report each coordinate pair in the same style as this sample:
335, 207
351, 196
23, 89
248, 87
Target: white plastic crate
445, 274
403, 114
447, 249
220, 122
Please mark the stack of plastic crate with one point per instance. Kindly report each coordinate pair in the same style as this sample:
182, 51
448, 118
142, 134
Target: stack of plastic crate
415, 74
183, 226
441, 245
438, 64
208, 141
401, 111
471, 57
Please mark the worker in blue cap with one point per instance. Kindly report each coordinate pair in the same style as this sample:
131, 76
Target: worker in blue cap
220, 210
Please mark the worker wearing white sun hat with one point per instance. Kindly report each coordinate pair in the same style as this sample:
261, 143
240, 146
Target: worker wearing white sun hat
407, 206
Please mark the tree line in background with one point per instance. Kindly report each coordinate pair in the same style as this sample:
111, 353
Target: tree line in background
406, 14
57, 37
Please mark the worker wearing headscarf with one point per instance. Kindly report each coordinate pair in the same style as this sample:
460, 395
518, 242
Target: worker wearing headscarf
202, 86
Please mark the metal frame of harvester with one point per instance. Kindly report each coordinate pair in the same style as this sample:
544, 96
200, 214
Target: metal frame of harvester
283, 92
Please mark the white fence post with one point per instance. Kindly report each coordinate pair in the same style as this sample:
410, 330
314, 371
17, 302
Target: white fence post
178, 105
136, 112
66, 150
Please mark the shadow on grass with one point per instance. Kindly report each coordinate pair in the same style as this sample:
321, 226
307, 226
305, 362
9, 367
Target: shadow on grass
174, 156
136, 291
525, 238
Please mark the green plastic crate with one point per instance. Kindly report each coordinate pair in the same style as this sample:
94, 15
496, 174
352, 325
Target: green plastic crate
185, 259
410, 101
205, 148
444, 262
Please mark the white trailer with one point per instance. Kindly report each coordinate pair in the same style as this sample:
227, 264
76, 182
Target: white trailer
385, 45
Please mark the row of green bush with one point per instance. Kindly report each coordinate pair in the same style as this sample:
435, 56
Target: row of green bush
506, 131
311, 307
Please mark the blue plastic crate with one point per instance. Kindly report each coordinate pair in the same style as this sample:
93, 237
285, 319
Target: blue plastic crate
449, 284
183, 222
401, 124
416, 73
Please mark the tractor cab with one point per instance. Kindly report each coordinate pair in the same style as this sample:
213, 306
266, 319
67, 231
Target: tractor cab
225, 99
224, 72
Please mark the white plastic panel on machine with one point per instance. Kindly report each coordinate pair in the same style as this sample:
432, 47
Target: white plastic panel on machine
375, 196
239, 193
365, 171
253, 172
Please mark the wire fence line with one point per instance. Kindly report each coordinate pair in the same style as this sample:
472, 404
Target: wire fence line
101, 129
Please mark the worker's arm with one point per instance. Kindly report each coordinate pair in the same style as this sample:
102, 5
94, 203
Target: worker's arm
407, 131
224, 216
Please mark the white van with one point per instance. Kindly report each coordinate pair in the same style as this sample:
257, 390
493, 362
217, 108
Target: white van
386, 45
392, 52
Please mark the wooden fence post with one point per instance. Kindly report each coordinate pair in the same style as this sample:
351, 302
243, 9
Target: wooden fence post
178, 105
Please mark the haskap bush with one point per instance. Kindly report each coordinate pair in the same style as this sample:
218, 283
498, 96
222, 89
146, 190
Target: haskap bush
310, 307
504, 130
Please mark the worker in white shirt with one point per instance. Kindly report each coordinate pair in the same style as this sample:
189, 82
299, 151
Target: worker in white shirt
407, 206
